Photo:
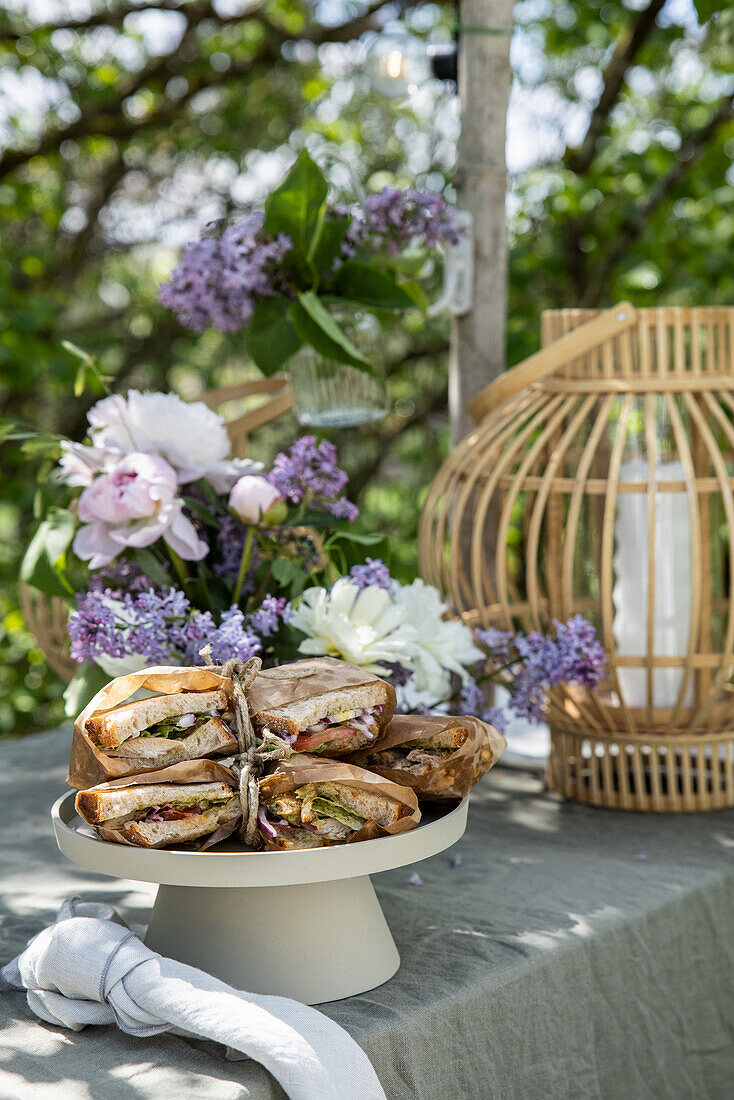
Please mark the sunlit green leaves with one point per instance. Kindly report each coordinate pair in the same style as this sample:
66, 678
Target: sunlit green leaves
297, 205
44, 564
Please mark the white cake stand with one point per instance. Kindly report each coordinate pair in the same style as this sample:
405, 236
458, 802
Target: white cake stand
303, 924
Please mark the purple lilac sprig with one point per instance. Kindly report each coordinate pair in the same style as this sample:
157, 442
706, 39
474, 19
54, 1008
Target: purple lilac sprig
164, 628
532, 663
373, 572
395, 218
309, 474
219, 280
273, 611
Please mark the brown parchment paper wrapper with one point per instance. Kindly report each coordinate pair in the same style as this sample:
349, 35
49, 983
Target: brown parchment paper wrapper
90, 766
455, 775
188, 771
276, 687
302, 769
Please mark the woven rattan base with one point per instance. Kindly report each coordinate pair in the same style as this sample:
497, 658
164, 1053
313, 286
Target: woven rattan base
658, 773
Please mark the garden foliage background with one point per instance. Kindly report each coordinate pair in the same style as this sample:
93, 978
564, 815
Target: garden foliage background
127, 126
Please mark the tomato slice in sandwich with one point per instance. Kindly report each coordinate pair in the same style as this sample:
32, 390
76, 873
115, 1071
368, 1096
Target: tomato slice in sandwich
307, 742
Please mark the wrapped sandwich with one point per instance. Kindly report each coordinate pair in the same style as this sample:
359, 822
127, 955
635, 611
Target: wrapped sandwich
310, 803
185, 719
161, 809
322, 705
439, 757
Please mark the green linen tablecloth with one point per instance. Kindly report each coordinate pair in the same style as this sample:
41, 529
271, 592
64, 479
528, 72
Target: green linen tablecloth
573, 953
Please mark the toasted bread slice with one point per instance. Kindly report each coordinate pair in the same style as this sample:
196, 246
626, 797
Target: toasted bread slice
159, 834
148, 752
97, 805
294, 717
451, 739
366, 804
129, 720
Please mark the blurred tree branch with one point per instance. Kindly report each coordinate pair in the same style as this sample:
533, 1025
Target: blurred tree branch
109, 120
632, 228
628, 46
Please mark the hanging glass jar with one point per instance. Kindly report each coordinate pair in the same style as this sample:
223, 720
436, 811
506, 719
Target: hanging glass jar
328, 394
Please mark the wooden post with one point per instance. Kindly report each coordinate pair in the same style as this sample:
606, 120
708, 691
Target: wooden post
478, 338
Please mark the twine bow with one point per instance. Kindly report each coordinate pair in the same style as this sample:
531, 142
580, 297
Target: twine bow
249, 763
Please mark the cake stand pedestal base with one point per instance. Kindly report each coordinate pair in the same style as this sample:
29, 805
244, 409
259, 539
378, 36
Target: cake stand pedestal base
315, 942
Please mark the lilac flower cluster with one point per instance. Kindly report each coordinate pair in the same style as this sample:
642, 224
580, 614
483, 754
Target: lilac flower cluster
219, 280
234, 637
160, 626
373, 572
573, 654
268, 617
394, 219
309, 474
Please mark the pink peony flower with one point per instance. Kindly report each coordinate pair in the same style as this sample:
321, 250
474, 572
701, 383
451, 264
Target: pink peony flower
135, 504
255, 500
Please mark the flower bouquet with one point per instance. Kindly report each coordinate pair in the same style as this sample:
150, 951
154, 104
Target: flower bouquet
162, 543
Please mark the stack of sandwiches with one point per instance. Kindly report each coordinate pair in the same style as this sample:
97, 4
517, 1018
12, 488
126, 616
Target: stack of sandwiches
325, 710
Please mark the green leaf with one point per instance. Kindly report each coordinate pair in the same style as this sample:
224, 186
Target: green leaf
296, 205
410, 262
315, 325
331, 239
418, 294
357, 536
285, 570
375, 289
45, 559
202, 512
271, 338
153, 568
83, 686
706, 8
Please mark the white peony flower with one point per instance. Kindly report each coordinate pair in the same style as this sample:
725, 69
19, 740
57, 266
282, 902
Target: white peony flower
190, 436
371, 628
361, 625
411, 700
443, 646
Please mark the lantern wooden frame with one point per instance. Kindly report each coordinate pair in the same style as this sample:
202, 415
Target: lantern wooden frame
47, 616
545, 466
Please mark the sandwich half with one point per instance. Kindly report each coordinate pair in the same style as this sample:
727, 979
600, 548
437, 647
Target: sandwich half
319, 814
164, 729
330, 715
158, 815
421, 755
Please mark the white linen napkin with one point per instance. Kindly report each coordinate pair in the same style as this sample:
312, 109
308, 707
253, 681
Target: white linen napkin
90, 968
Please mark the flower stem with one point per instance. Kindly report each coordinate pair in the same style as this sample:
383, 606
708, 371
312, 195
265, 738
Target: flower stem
244, 562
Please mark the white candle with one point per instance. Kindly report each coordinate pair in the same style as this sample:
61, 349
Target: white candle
672, 607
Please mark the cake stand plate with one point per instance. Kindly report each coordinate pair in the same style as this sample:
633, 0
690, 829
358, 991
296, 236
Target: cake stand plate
303, 924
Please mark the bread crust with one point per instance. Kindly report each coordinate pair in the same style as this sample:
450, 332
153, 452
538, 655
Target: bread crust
97, 806
130, 719
159, 834
371, 806
292, 718
213, 737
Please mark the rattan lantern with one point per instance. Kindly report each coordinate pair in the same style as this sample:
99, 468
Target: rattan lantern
599, 481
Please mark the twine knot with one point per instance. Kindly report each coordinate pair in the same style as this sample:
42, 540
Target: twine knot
251, 758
